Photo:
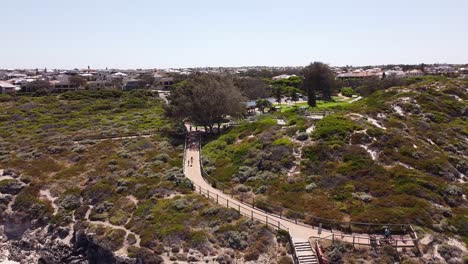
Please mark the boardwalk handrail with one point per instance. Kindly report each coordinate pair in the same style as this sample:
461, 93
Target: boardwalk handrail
266, 219
320, 256
360, 240
317, 219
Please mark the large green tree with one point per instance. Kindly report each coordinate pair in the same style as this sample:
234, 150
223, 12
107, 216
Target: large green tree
77, 81
253, 88
206, 100
318, 77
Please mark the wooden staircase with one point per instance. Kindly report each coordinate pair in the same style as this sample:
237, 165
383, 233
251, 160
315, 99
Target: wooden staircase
304, 252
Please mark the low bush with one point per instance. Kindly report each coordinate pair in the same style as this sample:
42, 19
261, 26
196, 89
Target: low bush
80, 95
334, 127
347, 91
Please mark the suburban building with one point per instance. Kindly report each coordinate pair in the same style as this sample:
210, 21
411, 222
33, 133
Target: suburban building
414, 73
132, 85
100, 85
6, 88
395, 73
166, 82
283, 76
360, 75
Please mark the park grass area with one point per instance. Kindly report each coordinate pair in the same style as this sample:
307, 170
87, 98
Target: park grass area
336, 103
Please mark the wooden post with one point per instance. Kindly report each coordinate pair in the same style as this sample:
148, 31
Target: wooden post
267, 220
217, 198
253, 202
199, 188
333, 237
251, 215
353, 241
227, 203
239, 208
208, 194
280, 215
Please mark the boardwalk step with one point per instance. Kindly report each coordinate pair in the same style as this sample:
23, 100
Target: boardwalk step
308, 261
305, 253
307, 258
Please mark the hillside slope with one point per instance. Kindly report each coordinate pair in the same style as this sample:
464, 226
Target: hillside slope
398, 156
71, 194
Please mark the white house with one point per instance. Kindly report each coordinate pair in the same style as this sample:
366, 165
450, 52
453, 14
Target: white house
395, 73
7, 88
414, 73
283, 76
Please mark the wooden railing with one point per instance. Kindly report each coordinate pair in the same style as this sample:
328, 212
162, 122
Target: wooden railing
320, 255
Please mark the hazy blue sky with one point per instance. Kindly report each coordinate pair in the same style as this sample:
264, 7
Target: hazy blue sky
176, 33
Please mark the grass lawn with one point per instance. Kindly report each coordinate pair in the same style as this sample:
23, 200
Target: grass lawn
338, 102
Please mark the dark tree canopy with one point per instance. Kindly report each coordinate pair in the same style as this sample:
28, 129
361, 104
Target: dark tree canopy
77, 81
286, 88
206, 100
318, 77
262, 104
146, 80
253, 88
40, 87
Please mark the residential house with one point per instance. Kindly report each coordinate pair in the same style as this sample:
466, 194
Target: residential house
283, 76
132, 84
7, 88
100, 85
63, 84
14, 75
414, 73
395, 74
166, 82
360, 74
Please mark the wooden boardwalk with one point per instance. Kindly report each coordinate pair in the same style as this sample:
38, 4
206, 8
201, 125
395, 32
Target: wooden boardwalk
298, 231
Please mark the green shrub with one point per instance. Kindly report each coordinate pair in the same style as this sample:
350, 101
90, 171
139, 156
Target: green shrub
5, 98
347, 91
282, 142
334, 127
134, 102
79, 95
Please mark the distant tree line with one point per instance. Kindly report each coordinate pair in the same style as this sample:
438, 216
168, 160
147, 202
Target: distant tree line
208, 99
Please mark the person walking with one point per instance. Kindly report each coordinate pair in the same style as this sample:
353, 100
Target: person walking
191, 160
387, 232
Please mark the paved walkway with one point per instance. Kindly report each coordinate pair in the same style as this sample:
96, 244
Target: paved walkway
298, 232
